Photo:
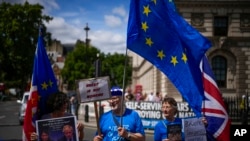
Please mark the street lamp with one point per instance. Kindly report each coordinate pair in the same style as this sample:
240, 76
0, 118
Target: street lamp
86, 30
86, 45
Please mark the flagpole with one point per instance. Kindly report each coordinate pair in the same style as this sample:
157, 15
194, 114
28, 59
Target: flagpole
123, 86
97, 118
203, 98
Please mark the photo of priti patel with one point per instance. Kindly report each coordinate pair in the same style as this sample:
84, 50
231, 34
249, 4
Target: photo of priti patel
57, 129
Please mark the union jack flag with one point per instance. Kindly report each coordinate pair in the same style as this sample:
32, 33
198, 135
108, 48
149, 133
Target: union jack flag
43, 84
214, 108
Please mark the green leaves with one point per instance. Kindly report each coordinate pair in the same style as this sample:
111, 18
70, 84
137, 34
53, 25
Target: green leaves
19, 33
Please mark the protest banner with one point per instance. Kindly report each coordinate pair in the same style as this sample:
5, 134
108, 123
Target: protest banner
150, 112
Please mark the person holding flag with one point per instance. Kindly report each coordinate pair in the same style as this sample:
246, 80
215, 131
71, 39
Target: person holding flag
169, 110
43, 85
120, 123
58, 103
159, 34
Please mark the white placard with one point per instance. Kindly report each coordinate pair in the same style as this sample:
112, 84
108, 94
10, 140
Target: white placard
94, 89
194, 129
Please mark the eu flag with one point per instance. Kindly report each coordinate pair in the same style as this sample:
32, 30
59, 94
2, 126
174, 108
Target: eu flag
43, 84
160, 35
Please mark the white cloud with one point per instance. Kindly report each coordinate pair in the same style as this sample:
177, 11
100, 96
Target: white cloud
69, 14
63, 31
108, 41
112, 21
47, 4
105, 41
120, 11
68, 28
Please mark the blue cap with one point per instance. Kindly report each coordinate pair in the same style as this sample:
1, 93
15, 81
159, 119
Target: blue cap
116, 91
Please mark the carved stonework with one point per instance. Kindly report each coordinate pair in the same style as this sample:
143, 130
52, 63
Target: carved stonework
197, 19
245, 22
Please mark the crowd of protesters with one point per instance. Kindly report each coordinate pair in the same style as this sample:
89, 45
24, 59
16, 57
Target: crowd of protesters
139, 96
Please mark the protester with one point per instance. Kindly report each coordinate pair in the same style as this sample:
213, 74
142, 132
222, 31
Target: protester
58, 103
243, 110
129, 96
169, 110
73, 105
158, 97
138, 97
151, 97
68, 133
111, 127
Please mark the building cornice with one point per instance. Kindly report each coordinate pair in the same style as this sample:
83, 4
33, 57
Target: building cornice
212, 4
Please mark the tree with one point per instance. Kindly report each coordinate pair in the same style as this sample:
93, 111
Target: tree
79, 64
114, 65
19, 25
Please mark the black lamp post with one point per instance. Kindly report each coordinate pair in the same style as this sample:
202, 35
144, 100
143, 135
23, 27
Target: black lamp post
87, 40
86, 49
97, 74
86, 46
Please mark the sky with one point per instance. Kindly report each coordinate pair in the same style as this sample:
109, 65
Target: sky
107, 20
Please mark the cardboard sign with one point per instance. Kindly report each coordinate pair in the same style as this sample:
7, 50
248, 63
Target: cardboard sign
94, 89
194, 129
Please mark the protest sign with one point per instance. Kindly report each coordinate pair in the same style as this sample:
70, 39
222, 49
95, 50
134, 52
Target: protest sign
174, 132
56, 128
94, 89
194, 129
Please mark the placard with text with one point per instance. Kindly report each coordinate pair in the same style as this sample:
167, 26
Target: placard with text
194, 129
94, 89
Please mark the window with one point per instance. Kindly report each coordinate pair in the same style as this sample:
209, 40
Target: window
220, 26
219, 66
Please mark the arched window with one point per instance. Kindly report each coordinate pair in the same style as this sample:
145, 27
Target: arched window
219, 66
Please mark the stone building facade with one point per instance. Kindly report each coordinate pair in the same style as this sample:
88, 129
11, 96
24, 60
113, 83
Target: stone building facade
226, 23
57, 53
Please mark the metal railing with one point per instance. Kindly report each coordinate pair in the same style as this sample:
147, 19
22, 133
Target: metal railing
238, 108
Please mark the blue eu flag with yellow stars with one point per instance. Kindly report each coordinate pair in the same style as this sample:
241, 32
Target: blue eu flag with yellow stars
160, 35
43, 75
42, 86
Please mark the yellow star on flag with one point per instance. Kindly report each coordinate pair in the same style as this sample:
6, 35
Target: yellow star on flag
160, 54
144, 26
149, 42
146, 10
154, 1
184, 57
50, 83
44, 86
174, 60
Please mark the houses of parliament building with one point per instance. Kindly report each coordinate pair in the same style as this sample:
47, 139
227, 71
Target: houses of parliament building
226, 23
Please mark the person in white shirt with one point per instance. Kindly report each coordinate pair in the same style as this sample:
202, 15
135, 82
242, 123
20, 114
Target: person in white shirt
151, 97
